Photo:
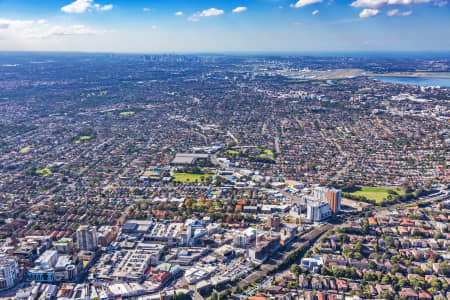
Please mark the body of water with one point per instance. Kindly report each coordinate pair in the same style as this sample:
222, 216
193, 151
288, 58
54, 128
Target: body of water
420, 81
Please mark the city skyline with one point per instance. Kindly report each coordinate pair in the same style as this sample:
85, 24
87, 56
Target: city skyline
224, 26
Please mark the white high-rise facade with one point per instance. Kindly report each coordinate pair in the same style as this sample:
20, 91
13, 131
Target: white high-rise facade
9, 270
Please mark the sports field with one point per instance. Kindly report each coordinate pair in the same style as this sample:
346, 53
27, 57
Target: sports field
186, 177
378, 194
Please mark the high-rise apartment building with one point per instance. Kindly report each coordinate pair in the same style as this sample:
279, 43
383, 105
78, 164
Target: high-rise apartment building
87, 238
334, 200
331, 196
274, 222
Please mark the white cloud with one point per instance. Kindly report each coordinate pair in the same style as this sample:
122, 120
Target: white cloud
398, 13
369, 3
77, 7
315, 12
106, 7
240, 9
407, 2
383, 3
440, 3
179, 13
211, 12
146, 9
206, 13
369, 12
301, 3
82, 6
41, 29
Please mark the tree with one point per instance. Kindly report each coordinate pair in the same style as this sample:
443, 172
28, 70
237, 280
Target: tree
295, 270
389, 242
445, 268
385, 279
344, 238
395, 269
365, 228
387, 295
436, 284
438, 236
376, 248
181, 296
403, 282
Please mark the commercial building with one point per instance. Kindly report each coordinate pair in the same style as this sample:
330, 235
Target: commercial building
264, 246
137, 226
44, 267
65, 270
128, 265
132, 265
50, 267
166, 233
9, 270
64, 245
106, 234
185, 256
87, 238
188, 158
243, 238
287, 234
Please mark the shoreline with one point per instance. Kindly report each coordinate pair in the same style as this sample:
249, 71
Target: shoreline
413, 75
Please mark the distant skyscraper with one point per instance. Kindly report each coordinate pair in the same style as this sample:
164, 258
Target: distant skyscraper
87, 238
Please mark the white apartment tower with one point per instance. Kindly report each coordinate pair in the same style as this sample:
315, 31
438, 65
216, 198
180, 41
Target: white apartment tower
9, 270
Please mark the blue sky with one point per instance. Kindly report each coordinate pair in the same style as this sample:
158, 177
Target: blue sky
225, 25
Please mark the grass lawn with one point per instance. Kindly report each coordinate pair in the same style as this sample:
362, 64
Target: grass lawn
186, 177
24, 150
268, 152
232, 152
378, 194
83, 138
127, 113
44, 172
267, 156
